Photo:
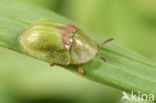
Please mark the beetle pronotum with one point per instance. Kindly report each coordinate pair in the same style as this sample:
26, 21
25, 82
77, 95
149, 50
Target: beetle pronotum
58, 43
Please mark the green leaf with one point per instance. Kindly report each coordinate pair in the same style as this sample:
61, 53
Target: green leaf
124, 69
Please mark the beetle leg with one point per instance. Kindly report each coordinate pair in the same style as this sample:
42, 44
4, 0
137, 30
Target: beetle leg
52, 64
105, 43
79, 69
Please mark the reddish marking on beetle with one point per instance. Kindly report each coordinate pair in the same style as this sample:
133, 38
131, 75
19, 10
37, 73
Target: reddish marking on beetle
52, 64
67, 40
70, 28
80, 69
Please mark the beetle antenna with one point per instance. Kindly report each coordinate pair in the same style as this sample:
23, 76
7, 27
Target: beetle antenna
102, 58
105, 43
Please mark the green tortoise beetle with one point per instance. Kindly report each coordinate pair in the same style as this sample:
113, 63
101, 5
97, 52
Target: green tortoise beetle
58, 43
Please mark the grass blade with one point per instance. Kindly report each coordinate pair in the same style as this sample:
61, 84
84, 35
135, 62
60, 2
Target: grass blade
124, 70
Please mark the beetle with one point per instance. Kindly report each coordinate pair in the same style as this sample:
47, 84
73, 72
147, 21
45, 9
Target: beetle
58, 43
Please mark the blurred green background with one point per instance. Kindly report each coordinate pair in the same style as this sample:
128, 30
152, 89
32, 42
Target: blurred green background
26, 80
